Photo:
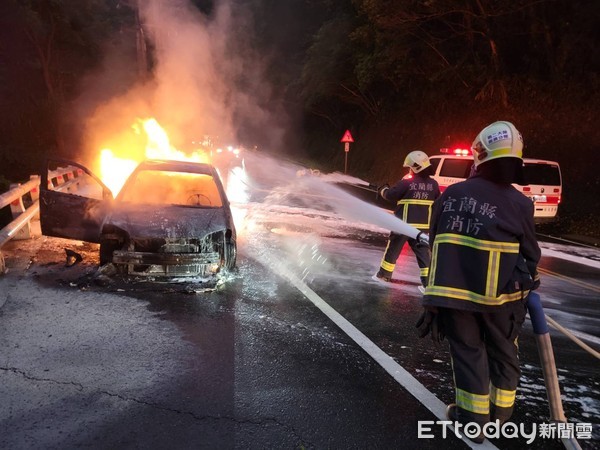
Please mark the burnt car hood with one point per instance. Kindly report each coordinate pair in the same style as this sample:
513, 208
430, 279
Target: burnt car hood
176, 222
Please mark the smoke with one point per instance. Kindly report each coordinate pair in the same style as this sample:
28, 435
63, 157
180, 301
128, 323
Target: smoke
204, 78
193, 79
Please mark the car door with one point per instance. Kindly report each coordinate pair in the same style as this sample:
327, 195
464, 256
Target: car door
73, 201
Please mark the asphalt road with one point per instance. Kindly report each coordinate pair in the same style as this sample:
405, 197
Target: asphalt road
254, 364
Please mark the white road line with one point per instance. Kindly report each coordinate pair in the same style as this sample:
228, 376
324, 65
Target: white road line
577, 259
405, 379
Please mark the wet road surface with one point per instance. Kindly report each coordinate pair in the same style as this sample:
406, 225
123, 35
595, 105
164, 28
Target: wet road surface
251, 365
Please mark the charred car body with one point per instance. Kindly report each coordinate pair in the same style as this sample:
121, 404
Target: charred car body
171, 219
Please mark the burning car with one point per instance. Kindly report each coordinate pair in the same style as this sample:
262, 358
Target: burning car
170, 219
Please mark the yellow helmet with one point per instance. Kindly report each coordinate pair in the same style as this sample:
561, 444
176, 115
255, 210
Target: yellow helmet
417, 161
498, 140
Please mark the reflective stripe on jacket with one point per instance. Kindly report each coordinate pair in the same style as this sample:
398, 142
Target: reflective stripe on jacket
415, 212
484, 256
484, 249
414, 199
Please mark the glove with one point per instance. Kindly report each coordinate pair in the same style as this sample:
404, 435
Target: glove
429, 322
423, 238
381, 190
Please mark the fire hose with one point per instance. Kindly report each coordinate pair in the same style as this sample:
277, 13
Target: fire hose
542, 337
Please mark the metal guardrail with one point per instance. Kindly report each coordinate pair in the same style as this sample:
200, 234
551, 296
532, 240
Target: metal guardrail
62, 179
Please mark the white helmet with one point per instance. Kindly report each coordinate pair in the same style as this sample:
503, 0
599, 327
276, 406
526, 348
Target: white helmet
498, 140
417, 161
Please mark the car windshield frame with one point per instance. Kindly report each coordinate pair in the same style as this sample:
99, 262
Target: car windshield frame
154, 186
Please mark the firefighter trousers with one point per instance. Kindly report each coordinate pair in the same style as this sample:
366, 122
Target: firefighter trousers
394, 248
485, 361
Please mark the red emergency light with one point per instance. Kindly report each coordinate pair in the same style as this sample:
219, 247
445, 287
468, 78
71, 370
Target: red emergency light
457, 151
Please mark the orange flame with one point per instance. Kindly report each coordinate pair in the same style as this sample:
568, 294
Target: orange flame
114, 169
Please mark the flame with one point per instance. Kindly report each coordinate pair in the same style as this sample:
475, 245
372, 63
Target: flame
114, 169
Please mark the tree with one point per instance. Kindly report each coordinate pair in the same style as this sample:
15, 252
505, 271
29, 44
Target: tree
49, 46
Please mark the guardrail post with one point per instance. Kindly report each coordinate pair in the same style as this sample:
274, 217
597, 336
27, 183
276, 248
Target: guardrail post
35, 192
59, 179
17, 208
35, 195
69, 177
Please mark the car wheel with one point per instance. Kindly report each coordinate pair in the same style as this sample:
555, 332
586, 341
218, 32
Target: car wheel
106, 251
230, 255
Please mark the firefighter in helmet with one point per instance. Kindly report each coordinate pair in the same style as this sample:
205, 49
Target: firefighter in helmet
483, 266
413, 198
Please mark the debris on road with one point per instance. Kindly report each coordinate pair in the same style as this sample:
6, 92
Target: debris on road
72, 257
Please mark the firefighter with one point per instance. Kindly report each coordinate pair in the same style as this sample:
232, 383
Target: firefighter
483, 265
413, 198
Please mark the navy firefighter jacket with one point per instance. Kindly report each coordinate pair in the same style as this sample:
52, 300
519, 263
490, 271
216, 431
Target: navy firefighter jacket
483, 244
414, 198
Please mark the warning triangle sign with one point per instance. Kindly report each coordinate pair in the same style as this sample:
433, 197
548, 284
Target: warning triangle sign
347, 137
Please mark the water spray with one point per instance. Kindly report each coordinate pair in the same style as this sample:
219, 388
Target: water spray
350, 207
